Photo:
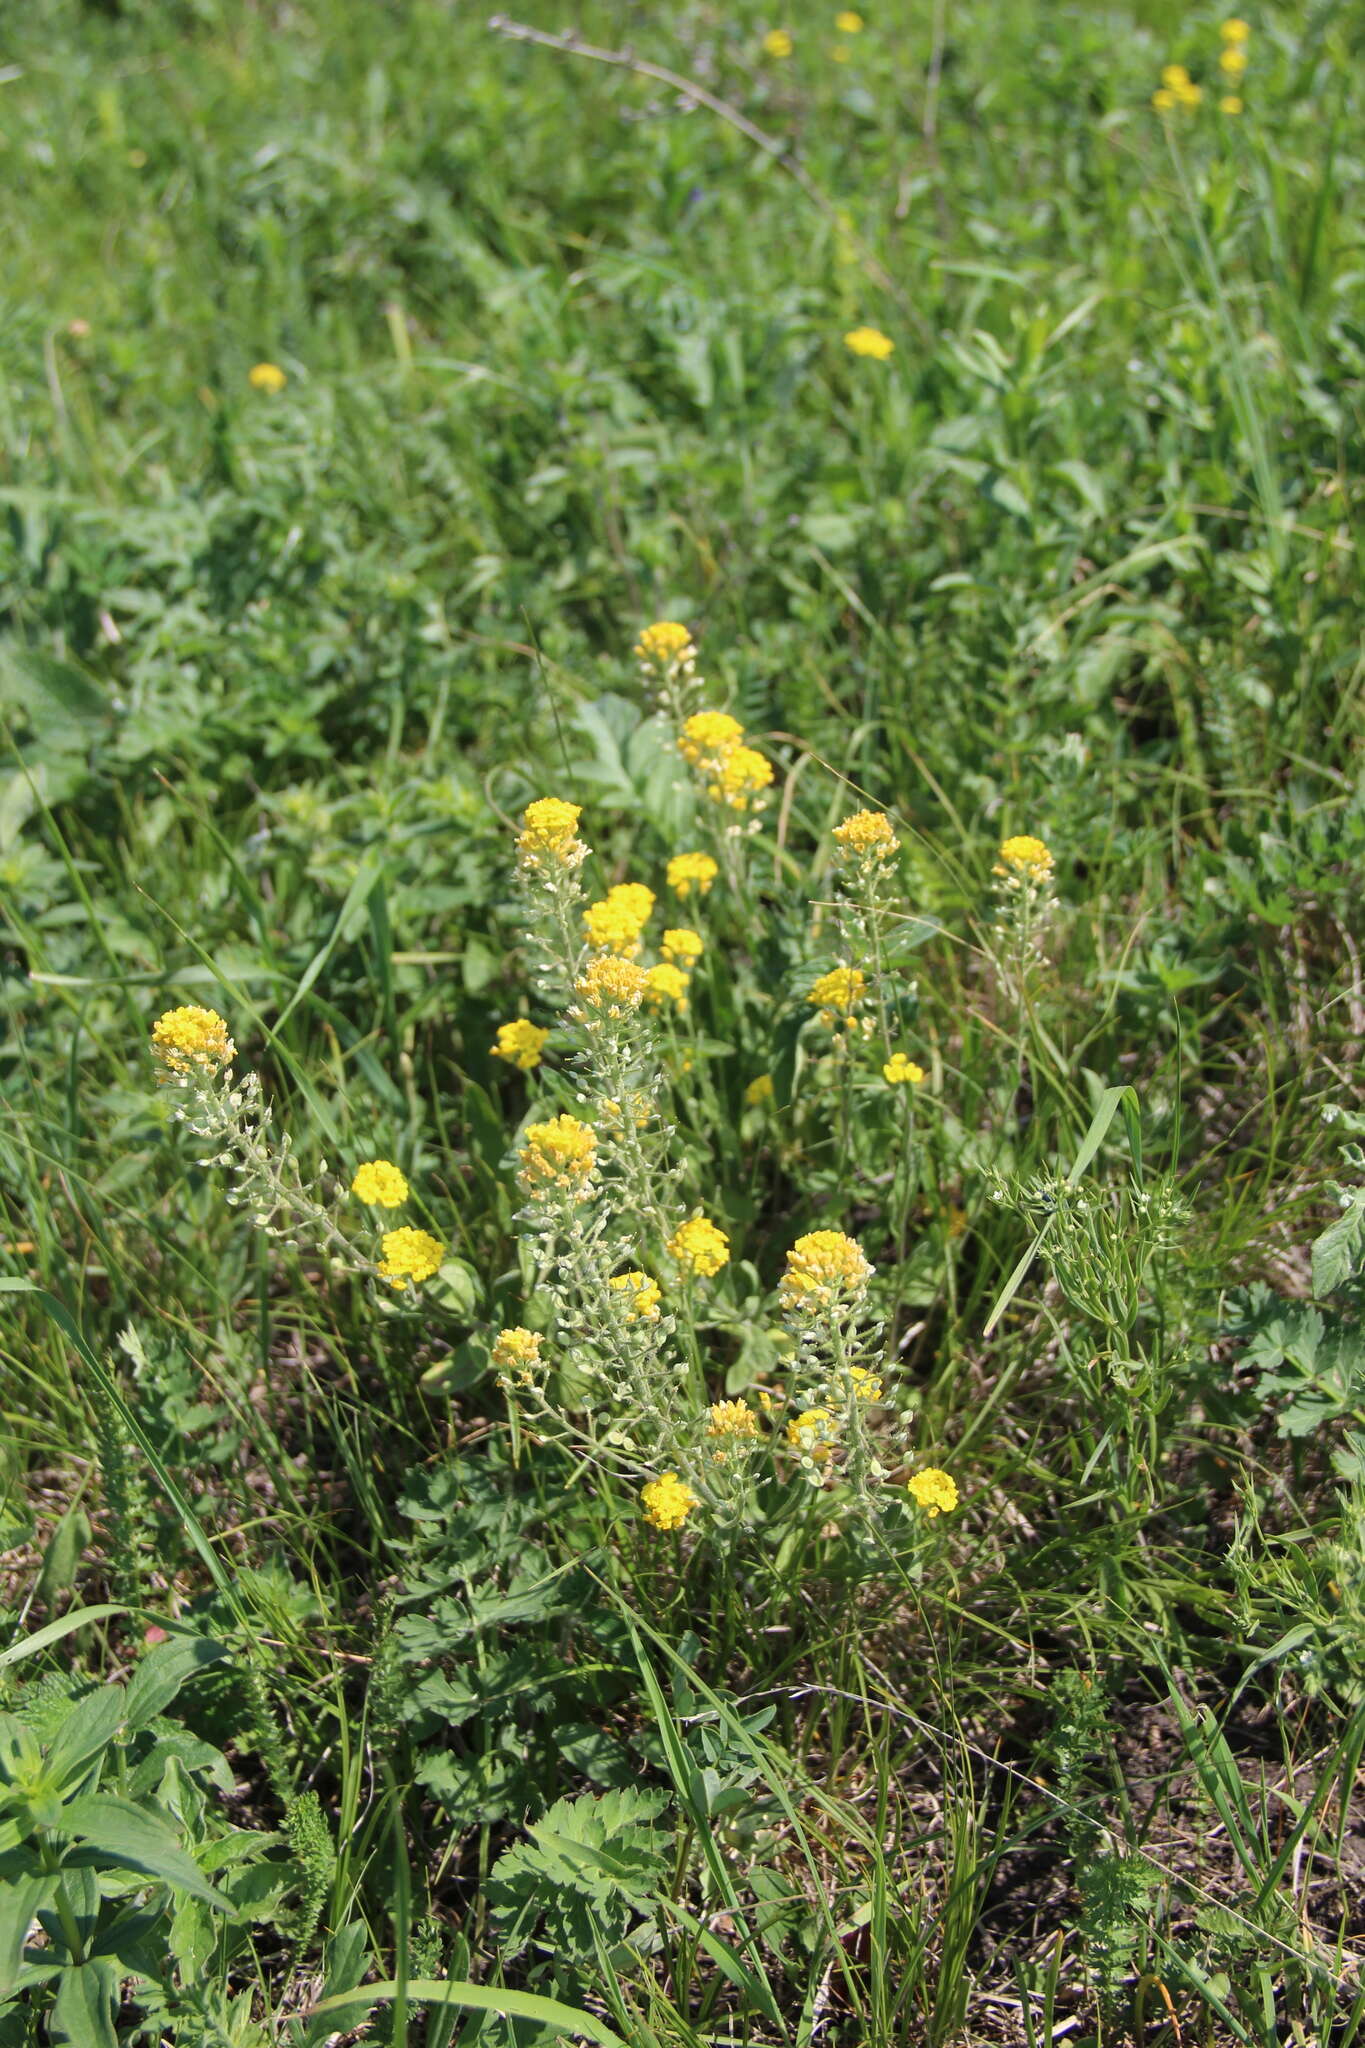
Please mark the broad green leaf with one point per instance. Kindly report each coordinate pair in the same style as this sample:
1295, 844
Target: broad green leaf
20, 1898
83, 2011
87, 1730
117, 1832
161, 1673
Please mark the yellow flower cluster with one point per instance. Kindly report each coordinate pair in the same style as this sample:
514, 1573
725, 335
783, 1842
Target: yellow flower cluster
732, 1418
706, 738
615, 923
192, 1040
822, 1267
410, 1256
520, 1043
871, 342
712, 744
689, 871
848, 23
559, 1154
1232, 62
681, 943
267, 377
666, 984
611, 987
867, 1385
517, 1352
668, 1501
380, 1183
643, 1296
836, 995
1026, 857
699, 1247
664, 643
866, 839
548, 834
814, 1434
933, 1490
899, 1071
1177, 90
777, 43
759, 1091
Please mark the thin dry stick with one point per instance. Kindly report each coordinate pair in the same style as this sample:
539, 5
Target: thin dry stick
571, 45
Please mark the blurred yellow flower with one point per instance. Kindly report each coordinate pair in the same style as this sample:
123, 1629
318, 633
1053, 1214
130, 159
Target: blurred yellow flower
664, 642
520, 1043
732, 1418
380, 1183
1235, 30
699, 1247
708, 736
744, 773
848, 23
1233, 62
666, 984
681, 943
266, 377
838, 993
899, 1069
614, 925
870, 341
759, 1091
643, 1296
867, 1386
814, 1433
192, 1038
933, 1490
1164, 100
777, 43
689, 871
1231, 103
668, 1501
410, 1256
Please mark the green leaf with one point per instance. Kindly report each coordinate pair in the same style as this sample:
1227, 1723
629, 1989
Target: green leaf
83, 2011
55, 1630
62, 1556
162, 1672
517, 2005
117, 1832
20, 1898
1340, 1251
86, 1732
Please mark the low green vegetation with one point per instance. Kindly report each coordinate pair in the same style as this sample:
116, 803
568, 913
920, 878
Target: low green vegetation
682, 1356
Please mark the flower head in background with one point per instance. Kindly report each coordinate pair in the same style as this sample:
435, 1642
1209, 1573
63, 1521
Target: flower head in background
899, 1072
848, 23
707, 737
732, 1418
410, 1256
520, 1044
681, 943
666, 984
664, 642
699, 1247
266, 377
744, 774
759, 1091
667, 1501
836, 995
380, 1183
871, 342
777, 43
192, 1040
689, 871
814, 1434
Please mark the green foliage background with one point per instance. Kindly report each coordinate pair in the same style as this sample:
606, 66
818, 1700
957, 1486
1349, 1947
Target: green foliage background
564, 353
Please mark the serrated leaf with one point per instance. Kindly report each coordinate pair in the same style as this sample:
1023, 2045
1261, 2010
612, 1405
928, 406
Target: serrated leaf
1339, 1254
